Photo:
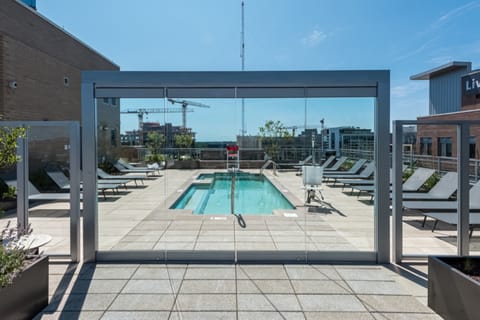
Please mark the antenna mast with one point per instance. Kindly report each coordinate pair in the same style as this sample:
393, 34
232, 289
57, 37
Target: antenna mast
242, 55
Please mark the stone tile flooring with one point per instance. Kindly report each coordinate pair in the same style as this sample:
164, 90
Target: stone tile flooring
180, 291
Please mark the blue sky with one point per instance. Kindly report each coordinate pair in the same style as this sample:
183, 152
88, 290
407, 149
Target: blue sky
406, 37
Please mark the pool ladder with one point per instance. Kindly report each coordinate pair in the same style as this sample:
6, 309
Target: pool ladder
268, 163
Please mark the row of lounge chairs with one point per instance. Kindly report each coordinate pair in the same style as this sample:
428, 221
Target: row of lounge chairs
105, 182
433, 204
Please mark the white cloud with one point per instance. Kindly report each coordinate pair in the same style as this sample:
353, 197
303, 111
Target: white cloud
408, 89
314, 38
440, 60
456, 12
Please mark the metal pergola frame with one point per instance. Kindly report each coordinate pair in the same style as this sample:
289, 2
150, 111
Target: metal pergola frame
73, 128
463, 240
237, 84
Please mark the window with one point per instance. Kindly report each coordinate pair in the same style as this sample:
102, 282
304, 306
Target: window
113, 137
472, 145
105, 100
114, 101
426, 146
444, 147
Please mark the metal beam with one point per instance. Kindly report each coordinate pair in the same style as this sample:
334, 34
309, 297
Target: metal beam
463, 202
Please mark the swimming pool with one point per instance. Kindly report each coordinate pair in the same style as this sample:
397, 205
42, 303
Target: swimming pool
254, 194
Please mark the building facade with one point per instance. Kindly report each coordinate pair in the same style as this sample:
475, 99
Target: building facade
40, 75
441, 140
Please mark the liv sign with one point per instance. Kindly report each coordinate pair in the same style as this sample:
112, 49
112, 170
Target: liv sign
471, 84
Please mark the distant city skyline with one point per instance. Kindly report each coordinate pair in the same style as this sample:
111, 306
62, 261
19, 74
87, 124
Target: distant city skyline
406, 37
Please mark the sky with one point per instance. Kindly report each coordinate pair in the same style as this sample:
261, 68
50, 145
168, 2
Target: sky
404, 36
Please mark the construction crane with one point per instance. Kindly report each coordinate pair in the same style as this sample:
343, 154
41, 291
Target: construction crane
184, 104
145, 111
294, 128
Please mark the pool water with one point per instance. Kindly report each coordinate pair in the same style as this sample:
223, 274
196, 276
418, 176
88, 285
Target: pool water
254, 194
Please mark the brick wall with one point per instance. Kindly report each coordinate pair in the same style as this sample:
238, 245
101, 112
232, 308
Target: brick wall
437, 131
46, 62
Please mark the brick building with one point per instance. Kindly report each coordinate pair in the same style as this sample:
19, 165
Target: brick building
454, 95
40, 75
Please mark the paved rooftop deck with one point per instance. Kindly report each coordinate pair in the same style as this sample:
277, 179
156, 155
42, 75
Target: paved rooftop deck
177, 291
140, 219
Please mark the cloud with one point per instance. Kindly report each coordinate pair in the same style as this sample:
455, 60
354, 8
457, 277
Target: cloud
418, 50
440, 60
407, 89
456, 12
314, 38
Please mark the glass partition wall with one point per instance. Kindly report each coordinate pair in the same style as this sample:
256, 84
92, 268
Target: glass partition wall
43, 195
208, 177
435, 188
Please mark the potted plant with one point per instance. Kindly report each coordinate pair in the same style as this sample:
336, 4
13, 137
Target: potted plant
454, 286
23, 276
23, 272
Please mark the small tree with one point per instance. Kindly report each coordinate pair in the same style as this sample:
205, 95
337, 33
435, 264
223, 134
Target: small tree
8, 153
183, 140
155, 141
271, 134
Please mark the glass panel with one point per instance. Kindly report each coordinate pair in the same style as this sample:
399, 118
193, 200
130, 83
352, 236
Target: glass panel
342, 129
430, 184
49, 206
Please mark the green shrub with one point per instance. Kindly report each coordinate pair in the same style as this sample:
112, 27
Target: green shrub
431, 182
347, 165
408, 173
11, 263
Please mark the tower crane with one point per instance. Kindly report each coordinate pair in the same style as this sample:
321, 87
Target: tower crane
145, 111
184, 104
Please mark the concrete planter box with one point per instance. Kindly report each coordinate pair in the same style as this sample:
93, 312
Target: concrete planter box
28, 294
451, 293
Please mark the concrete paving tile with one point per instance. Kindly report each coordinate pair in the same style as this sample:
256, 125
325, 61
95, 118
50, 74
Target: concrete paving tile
405, 316
212, 246
306, 272
208, 286
264, 286
174, 246
159, 272
96, 286
319, 287
341, 303
254, 302
107, 273
81, 302
376, 287
383, 303
128, 245
265, 315
364, 274
210, 273
136, 315
70, 315
261, 272
151, 286
339, 315
284, 302
142, 302
203, 315
206, 302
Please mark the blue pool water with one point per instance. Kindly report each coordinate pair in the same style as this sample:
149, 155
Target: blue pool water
254, 194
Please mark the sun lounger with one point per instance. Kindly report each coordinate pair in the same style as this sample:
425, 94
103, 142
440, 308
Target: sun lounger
150, 168
413, 183
105, 176
124, 170
328, 162
35, 195
64, 183
446, 205
352, 171
442, 190
336, 165
364, 174
452, 218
